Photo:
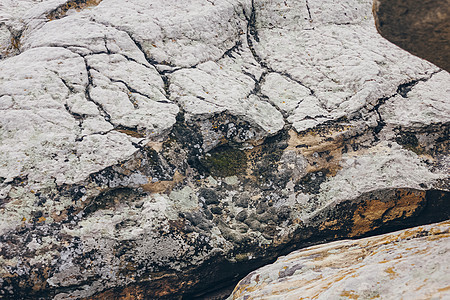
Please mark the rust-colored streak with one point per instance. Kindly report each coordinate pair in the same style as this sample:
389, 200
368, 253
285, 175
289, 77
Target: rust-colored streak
391, 272
161, 286
349, 295
373, 213
131, 133
163, 185
446, 289
77, 5
333, 225
322, 148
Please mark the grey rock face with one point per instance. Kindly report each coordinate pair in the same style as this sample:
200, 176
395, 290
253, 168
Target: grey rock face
162, 148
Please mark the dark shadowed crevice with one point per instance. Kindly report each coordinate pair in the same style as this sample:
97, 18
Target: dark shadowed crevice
380, 122
405, 88
229, 52
252, 36
400, 209
87, 94
402, 90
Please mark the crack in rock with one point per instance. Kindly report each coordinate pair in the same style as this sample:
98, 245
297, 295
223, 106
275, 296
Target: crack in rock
309, 11
256, 137
253, 32
100, 108
61, 11
405, 88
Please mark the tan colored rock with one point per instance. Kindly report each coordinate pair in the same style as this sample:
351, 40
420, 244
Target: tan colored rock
407, 264
420, 27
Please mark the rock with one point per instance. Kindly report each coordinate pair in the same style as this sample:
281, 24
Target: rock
166, 149
403, 264
241, 216
421, 28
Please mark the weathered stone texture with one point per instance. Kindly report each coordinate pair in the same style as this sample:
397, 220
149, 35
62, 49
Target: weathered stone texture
167, 148
408, 264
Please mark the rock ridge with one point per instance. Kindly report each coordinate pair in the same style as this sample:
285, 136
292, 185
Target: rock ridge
165, 156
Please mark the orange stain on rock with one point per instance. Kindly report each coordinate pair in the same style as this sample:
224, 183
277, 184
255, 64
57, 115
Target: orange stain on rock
163, 185
349, 295
373, 213
77, 5
391, 272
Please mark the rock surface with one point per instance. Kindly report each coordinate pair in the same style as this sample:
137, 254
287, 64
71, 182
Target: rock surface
167, 149
420, 27
407, 264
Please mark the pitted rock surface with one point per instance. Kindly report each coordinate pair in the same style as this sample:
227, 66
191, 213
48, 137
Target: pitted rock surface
165, 149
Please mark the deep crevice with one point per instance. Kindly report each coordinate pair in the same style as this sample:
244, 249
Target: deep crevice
149, 60
230, 51
380, 122
88, 97
405, 88
402, 90
130, 90
71, 89
154, 63
253, 32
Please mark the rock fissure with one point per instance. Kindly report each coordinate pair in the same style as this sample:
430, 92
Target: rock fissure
253, 32
253, 136
154, 63
87, 94
402, 90
230, 51
380, 122
405, 88
149, 60
76, 116
257, 92
309, 11
70, 88
105, 41
130, 92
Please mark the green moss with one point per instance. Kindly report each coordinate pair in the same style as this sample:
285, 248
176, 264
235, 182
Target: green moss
225, 161
410, 142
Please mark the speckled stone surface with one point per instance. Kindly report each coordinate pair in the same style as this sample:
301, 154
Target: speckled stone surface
168, 148
407, 264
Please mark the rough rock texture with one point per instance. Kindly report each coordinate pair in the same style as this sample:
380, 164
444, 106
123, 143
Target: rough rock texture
420, 27
168, 148
408, 264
